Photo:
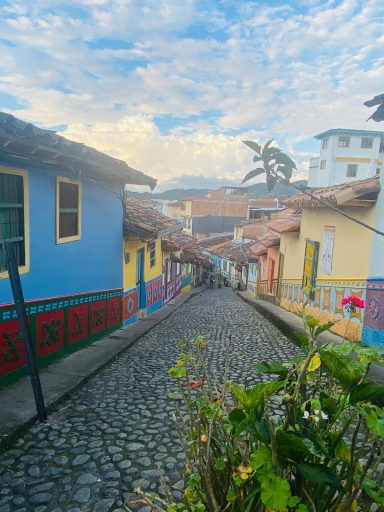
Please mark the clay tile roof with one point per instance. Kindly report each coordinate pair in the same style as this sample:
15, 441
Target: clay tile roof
22, 142
261, 246
285, 224
234, 250
339, 195
207, 243
181, 240
143, 221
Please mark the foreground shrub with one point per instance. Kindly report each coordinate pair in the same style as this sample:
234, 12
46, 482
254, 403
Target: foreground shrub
322, 452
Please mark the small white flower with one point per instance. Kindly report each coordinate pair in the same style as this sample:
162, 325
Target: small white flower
317, 412
306, 415
317, 419
324, 416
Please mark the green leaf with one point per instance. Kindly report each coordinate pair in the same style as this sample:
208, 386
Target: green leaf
275, 492
236, 416
220, 464
271, 368
343, 349
261, 457
372, 489
253, 145
291, 445
312, 322
271, 182
342, 450
254, 397
241, 396
269, 155
266, 146
286, 171
347, 372
231, 495
302, 338
374, 420
293, 501
319, 473
303, 508
366, 392
253, 174
323, 327
260, 391
284, 159
328, 404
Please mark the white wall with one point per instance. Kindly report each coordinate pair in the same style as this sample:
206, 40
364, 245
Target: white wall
335, 170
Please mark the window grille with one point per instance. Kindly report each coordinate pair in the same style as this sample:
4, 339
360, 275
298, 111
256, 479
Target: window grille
12, 227
68, 210
351, 170
152, 254
344, 141
367, 142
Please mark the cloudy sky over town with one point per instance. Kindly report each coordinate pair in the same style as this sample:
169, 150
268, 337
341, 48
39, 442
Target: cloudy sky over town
174, 86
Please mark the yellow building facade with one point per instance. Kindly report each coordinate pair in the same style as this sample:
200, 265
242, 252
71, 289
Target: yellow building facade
142, 277
335, 252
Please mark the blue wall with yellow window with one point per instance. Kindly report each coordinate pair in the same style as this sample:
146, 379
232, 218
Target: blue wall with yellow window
73, 288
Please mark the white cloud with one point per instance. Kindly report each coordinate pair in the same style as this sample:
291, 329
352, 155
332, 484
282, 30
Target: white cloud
138, 141
282, 71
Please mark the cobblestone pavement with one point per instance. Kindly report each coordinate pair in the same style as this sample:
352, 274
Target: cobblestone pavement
110, 435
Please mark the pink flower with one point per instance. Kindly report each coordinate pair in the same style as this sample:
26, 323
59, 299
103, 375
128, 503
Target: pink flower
352, 302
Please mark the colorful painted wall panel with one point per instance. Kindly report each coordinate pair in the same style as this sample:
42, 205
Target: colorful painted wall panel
326, 303
12, 353
154, 294
58, 326
130, 306
49, 332
98, 316
373, 328
78, 319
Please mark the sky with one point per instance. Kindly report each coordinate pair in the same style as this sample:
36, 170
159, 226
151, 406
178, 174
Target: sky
173, 86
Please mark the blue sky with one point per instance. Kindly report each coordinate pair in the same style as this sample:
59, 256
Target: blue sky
173, 86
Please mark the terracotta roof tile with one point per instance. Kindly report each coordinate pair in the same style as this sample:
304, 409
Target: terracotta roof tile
143, 221
338, 195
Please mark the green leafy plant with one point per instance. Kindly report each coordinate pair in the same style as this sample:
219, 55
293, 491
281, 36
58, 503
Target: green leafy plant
322, 452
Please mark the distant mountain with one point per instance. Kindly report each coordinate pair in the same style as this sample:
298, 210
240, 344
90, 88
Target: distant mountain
260, 189
257, 190
171, 195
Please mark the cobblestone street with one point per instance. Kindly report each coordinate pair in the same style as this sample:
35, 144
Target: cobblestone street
110, 435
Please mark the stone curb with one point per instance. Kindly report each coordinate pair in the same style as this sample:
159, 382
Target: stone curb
290, 325
58, 380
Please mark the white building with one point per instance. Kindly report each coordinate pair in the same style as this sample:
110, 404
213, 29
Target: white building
346, 155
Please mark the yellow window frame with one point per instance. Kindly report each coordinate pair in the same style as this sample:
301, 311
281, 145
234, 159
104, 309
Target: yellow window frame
66, 239
23, 269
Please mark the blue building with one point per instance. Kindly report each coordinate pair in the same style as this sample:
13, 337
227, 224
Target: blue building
61, 206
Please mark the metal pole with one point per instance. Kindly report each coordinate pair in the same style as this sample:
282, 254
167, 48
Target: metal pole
18, 297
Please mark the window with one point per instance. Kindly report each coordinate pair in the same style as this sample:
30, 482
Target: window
344, 141
68, 210
152, 254
13, 216
367, 142
381, 148
323, 163
324, 143
378, 170
351, 170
